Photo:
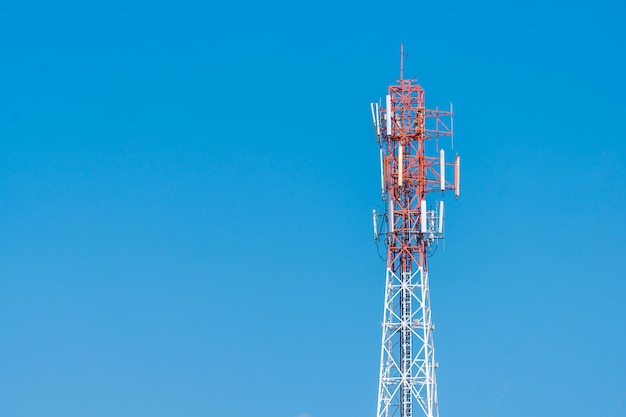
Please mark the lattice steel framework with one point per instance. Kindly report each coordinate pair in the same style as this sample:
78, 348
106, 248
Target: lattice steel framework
408, 134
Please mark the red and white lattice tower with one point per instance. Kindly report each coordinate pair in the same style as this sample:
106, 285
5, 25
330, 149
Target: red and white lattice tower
413, 171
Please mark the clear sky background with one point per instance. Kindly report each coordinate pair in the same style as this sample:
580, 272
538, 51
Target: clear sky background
186, 194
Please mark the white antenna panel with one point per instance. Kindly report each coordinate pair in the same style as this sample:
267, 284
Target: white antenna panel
423, 216
457, 176
377, 119
440, 229
382, 173
375, 224
442, 169
388, 118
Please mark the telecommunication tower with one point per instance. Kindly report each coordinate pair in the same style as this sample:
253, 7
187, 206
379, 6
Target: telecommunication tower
413, 167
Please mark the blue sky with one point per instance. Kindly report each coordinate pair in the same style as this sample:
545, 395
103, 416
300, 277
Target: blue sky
186, 194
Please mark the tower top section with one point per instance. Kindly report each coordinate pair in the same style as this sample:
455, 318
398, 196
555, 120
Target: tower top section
413, 141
